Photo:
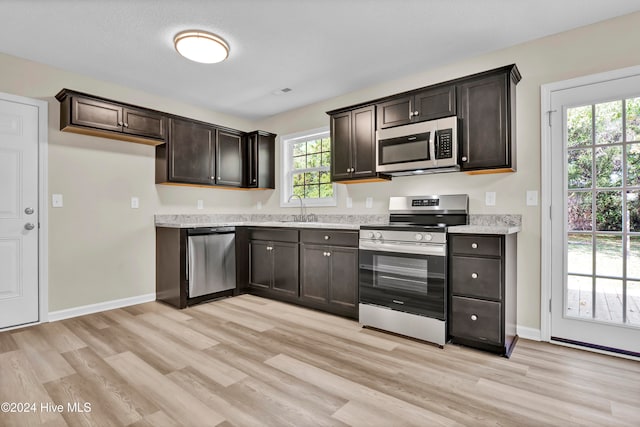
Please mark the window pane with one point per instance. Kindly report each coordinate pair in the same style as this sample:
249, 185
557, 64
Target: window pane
580, 253
579, 125
633, 211
608, 255
633, 164
579, 296
633, 257
326, 190
609, 166
299, 148
326, 144
312, 192
633, 303
579, 211
311, 178
325, 177
609, 211
313, 160
300, 162
633, 119
609, 300
609, 122
579, 168
326, 159
298, 190
298, 179
314, 146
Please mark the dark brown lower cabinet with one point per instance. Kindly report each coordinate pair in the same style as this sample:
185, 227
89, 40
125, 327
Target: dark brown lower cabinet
482, 304
273, 263
329, 278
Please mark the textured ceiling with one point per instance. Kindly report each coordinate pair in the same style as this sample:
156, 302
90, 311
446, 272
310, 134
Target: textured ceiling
318, 48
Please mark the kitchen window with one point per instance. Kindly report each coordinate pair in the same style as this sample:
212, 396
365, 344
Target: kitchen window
306, 161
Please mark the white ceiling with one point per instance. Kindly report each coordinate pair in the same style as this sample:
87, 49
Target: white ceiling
318, 48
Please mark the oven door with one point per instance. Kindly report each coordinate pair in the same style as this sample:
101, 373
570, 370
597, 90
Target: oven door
411, 282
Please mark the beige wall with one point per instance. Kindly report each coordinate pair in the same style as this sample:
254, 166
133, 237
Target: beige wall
100, 249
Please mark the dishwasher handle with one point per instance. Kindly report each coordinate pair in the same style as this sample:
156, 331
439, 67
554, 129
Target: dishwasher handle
210, 230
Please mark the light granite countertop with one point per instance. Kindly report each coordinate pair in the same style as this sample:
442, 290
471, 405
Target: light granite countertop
478, 224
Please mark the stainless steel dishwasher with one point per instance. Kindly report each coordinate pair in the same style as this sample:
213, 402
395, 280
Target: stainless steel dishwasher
212, 260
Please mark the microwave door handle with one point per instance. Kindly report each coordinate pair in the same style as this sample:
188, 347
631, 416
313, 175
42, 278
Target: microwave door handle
432, 147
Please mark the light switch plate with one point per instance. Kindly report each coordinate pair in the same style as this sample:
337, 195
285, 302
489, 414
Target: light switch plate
368, 202
532, 198
56, 200
349, 202
135, 202
490, 198
200, 204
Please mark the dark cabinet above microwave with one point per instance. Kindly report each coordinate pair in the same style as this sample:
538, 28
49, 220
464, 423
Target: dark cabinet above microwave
427, 104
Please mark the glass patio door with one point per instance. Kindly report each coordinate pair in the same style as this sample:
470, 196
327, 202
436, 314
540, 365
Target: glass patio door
596, 181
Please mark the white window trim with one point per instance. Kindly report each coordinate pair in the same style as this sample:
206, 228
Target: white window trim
286, 162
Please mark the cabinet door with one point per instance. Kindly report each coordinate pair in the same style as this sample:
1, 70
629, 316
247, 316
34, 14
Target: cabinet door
190, 152
96, 114
343, 288
228, 159
143, 123
251, 159
260, 264
314, 283
285, 268
484, 137
341, 146
266, 161
395, 112
434, 103
363, 142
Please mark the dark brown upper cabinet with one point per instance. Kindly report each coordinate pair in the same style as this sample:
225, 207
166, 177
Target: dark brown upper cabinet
487, 104
353, 145
260, 160
189, 152
90, 115
427, 104
229, 153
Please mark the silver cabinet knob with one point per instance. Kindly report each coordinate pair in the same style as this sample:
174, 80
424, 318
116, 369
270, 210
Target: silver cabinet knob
474, 317
416, 113
126, 125
328, 253
464, 158
29, 226
213, 177
327, 237
218, 178
253, 180
119, 123
474, 245
29, 211
474, 275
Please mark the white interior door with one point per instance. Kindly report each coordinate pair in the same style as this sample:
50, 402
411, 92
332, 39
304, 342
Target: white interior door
595, 226
18, 213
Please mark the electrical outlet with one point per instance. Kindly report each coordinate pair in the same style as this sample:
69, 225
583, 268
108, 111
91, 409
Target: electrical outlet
368, 202
200, 204
532, 198
349, 202
490, 198
56, 200
135, 203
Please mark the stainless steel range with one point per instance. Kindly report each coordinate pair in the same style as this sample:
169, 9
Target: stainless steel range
403, 266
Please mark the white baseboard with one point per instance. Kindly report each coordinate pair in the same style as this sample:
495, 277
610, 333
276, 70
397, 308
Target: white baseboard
101, 306
529, 333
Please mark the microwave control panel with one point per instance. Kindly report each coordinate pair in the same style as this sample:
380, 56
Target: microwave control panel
444, 144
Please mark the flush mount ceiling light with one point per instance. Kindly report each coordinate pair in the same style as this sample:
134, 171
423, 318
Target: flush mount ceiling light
201, 46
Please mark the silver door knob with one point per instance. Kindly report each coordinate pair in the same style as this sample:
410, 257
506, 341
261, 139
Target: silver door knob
29, 226
29, 211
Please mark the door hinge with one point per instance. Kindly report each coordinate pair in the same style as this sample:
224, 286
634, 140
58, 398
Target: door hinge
549, 115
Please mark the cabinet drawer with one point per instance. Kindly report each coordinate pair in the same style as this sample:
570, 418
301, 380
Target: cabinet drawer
274, 234
330, 237
477, 277
475, 319
476, 245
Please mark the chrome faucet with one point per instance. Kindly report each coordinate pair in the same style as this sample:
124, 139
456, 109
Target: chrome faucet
302, 216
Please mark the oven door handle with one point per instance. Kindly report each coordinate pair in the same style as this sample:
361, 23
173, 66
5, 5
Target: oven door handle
433, 250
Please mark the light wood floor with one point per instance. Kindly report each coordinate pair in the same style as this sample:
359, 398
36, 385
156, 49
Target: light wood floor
247, 361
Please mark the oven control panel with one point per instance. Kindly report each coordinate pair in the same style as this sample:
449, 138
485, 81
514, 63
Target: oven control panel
407, 237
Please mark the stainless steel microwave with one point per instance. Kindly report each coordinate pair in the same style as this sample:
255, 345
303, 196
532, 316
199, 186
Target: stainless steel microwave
423, 147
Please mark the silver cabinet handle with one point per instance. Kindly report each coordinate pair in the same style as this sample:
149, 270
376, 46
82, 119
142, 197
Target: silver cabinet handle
29, 211
474, 245
29, 226
126, 125
464, 158
474, 275
410, 114
474, 317
119, 123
